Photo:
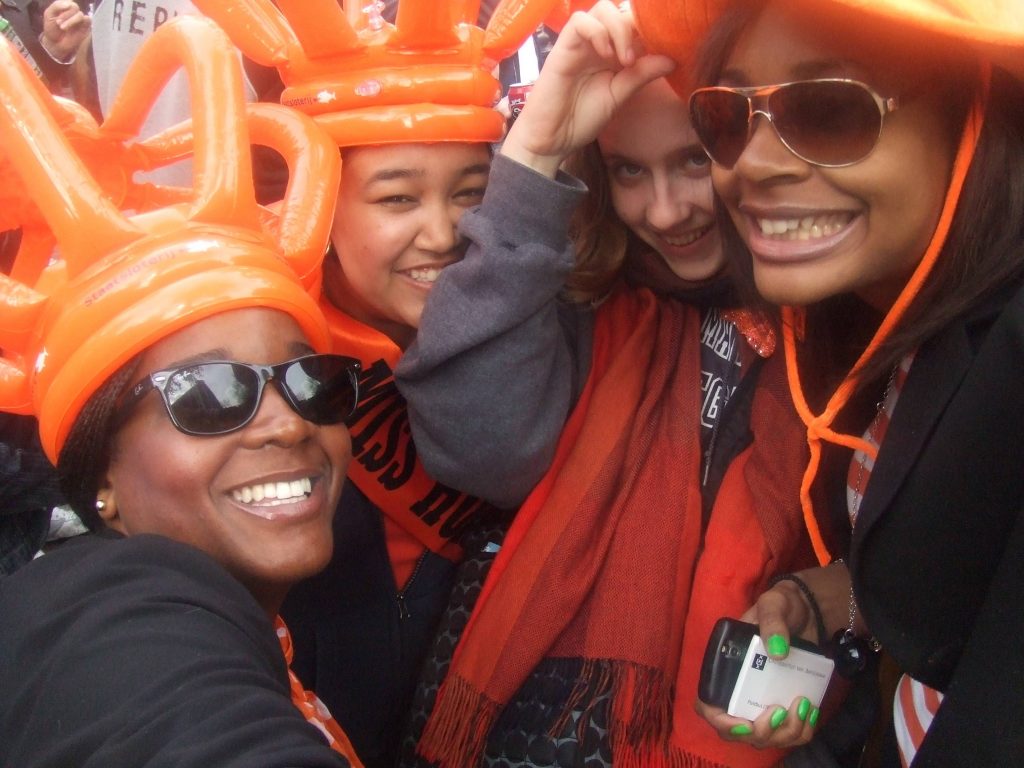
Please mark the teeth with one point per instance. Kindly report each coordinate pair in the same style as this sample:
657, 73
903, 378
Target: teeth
428, 275
807, 228
687, 237
274, 493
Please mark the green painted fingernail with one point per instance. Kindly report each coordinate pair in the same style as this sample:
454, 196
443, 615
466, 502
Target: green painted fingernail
741, 730
814, 716
777, 717
777, 645
803, 708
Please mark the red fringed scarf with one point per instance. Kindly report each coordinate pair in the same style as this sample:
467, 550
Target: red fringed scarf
384, 463
604, 561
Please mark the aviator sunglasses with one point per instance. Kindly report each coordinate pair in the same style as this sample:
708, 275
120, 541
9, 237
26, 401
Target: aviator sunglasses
829, 122
218, 397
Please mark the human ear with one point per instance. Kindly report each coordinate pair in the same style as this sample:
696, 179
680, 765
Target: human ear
106, 508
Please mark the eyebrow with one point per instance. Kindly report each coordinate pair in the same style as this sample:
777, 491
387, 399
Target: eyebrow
680, 151
206, 356
808, 70
472, 170
617, 159
295, 349
300, 348
390, 174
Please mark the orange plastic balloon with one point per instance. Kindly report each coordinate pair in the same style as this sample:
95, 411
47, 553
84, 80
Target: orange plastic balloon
995, 28
428, 77
563, 9
122, 280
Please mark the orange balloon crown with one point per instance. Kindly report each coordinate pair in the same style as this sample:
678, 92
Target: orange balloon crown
995, 28
122, 280
425, 78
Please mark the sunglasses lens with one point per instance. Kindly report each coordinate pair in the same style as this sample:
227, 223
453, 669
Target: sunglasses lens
827, 122
322, 388
720, 119
212, 398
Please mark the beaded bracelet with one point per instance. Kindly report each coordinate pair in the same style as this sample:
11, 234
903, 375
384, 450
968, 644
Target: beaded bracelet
819, 620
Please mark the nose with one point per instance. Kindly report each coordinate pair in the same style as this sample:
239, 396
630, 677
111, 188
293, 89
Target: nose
438, 232
765, 156
276, 422
669, 204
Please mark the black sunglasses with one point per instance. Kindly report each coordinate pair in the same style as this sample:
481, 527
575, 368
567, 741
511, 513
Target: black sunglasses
222, 396
828, 122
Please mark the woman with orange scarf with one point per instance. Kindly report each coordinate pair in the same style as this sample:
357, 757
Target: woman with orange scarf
585, 643
871, 159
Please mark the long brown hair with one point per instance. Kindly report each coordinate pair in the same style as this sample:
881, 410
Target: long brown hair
599, 234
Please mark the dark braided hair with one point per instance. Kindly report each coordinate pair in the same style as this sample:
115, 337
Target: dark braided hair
85, 456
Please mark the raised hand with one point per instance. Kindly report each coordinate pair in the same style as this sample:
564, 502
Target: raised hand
65, 26
597, 63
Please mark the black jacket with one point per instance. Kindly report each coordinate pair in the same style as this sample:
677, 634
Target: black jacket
938, 549
143, 652
360, 642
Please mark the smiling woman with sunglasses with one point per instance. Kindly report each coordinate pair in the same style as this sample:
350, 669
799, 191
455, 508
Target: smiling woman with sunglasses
871, 159
177, 366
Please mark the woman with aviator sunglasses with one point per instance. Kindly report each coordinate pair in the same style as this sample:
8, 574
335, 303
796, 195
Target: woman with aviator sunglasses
154, 640
871, 160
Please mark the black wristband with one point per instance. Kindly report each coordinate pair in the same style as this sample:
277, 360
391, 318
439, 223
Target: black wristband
819, 620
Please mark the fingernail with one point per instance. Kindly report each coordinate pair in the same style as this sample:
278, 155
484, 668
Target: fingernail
777, 717
803, 708
741, 730
777, 645
814, 716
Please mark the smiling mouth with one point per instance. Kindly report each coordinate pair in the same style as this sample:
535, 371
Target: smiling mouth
803, 228
426, 275
274, 494
692, 236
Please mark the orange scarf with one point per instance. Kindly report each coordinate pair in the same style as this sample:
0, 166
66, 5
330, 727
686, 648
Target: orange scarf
605, 561
384, 464
309, 704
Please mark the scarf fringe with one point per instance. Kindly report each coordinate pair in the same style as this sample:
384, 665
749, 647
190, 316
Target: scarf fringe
639, 732
456, 732
671, 757
594, 679
642, 702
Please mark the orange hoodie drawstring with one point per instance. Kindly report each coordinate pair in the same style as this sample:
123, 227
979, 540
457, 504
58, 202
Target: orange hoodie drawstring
819, 426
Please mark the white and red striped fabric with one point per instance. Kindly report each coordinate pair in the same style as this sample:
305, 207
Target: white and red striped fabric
914, 704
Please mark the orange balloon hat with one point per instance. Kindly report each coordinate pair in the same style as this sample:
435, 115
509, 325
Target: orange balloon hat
563, 9
994, 27
425, 78
135, 262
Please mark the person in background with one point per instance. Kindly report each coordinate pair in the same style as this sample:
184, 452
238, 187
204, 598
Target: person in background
871, 160
410, 107
47, 34
648, 512
29, 489
47, 37
178, 368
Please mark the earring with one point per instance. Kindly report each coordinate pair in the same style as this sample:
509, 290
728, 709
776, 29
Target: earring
100, 505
